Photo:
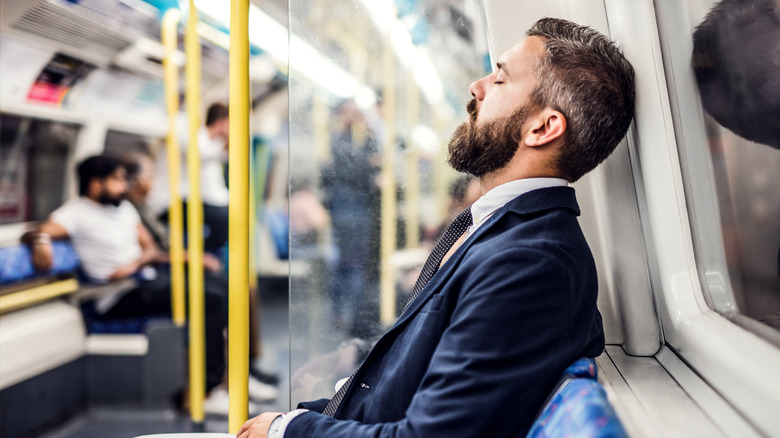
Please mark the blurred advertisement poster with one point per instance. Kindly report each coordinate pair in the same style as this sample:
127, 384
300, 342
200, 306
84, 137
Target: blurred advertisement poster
57, 78
20, 63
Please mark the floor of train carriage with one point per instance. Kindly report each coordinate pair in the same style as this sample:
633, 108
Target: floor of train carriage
126, 421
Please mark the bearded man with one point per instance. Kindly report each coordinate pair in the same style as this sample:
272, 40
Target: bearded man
507, 300
113, 244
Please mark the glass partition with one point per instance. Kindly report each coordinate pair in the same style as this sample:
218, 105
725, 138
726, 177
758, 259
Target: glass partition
376, 88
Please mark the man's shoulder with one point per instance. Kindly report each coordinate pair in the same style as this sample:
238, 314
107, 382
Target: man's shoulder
72, 206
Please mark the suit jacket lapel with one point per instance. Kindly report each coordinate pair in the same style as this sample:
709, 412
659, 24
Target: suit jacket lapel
531, 202
444, 273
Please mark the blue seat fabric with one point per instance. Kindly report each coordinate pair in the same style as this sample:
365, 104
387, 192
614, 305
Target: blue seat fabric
16, 267
578, 408
16, 263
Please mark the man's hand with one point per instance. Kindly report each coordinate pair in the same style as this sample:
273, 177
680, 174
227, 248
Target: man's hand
124, 272
42, 256
257, 427
211, 263
41, 251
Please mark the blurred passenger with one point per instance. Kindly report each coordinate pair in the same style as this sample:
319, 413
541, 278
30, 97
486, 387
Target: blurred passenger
464, 190
349, 182
212, 144
112, 244
736, 54
507, 299
140, 174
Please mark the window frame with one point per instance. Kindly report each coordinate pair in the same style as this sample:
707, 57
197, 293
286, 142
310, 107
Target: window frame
737, 363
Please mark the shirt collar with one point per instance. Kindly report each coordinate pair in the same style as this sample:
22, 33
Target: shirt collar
499, 196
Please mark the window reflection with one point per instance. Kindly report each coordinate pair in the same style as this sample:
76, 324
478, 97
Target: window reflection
735, 58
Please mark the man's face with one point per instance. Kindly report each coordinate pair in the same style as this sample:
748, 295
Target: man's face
223, 129
509, 87
113, 188
488, 139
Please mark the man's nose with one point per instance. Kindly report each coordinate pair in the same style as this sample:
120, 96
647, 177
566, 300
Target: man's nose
477, 89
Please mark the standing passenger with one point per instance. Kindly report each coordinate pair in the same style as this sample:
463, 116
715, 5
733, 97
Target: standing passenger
212, 144
511, 300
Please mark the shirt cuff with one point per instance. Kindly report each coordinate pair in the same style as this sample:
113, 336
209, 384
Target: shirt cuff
286, 419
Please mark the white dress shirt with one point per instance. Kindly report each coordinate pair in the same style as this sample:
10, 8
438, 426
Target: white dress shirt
483, 208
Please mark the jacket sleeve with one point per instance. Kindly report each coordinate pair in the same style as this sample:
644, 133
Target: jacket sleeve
496, 361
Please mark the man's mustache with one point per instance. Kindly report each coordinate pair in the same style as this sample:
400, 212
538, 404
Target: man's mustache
472, 109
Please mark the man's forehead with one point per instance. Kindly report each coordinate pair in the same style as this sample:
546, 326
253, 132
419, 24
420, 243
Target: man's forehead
528, 49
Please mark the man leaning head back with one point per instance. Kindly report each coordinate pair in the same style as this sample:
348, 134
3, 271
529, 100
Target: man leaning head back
557, 105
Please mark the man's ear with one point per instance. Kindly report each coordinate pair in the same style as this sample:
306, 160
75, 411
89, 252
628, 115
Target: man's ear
546, 126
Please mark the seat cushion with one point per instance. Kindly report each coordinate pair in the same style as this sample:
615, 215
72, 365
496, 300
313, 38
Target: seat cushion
16, 263
579, 408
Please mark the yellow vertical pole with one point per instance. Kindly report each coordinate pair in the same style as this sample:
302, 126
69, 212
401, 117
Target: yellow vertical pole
442, 174
387, 242
195, 223
176, 232
238, 344
412, 166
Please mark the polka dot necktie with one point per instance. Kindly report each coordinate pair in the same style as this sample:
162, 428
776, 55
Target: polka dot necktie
453, 233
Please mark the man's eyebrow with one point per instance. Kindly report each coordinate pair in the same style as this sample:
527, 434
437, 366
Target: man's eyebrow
501, 66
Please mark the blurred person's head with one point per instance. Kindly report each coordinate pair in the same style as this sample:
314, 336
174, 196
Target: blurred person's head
558, 104
217, 121
736, 60
103, 179
140, 176
347, 114
463, 192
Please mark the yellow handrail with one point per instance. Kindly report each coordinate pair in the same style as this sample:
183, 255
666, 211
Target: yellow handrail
238, 344
412, 166
195, 223
170, 41
387, 241
37, 294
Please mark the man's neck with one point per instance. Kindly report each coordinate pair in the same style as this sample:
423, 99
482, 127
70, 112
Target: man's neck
530, 166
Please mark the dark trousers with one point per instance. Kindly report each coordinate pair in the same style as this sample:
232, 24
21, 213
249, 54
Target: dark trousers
154, 297
215, 221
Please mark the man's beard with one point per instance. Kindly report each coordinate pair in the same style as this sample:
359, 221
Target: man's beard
106, 198
485, 148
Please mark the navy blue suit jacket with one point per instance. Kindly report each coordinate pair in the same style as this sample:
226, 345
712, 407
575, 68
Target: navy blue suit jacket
486, 340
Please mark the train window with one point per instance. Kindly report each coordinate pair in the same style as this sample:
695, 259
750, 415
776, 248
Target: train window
376, 88
729, 140
122, 143
31, 147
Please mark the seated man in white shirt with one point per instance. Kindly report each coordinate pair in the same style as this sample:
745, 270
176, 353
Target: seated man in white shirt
113, 244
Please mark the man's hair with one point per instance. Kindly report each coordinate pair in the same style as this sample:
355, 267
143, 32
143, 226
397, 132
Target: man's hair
215, 113
736, 52
586, 77
99, 166
133, 168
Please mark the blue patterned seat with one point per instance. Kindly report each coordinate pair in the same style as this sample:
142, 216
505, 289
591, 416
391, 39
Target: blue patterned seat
578, 407
16, 263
